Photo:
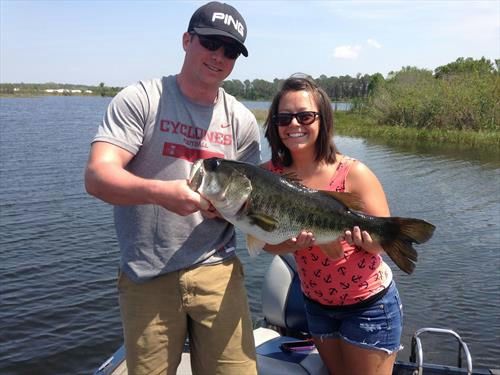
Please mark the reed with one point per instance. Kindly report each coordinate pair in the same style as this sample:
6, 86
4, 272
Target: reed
362, 125
260, 115
416, 99
351, 124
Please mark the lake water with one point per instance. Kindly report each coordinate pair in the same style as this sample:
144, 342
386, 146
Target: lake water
59, 311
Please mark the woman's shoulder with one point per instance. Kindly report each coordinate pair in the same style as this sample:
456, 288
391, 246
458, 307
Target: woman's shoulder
361, 177
359, 169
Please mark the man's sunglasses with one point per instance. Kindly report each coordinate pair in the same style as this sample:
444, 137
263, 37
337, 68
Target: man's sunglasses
303, 118
231, 50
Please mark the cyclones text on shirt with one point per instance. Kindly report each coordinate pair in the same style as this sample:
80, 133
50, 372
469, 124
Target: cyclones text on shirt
196, 140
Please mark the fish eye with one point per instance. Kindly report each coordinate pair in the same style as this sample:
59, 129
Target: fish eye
212, 164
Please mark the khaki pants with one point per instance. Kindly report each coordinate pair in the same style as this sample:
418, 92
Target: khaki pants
208, 303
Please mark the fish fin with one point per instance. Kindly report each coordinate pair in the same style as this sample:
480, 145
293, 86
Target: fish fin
351, 200
400, 249
292, 176
265, 222
416, 230
254, 245
402, 254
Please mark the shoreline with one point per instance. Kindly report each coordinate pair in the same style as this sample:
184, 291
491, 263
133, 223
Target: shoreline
356, 125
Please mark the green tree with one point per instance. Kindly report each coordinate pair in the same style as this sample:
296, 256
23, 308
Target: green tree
376, 81
263, 89
468, 65
412, 97
102, 89
235, 87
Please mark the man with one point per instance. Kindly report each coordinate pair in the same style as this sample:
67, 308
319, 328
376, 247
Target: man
179, 275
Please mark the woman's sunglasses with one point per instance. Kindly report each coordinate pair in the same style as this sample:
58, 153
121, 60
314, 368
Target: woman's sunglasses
231, 51
303, 118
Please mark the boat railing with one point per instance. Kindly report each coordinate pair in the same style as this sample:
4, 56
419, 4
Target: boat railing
417, 355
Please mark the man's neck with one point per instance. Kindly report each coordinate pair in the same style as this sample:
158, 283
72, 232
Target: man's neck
201, 94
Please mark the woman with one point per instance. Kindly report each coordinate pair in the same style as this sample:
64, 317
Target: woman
352, 304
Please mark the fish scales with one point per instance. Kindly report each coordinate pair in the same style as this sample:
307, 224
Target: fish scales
270, 208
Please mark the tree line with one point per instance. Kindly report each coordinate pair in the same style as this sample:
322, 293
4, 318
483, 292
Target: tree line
341, 88
461, 95
65, 89
347, 88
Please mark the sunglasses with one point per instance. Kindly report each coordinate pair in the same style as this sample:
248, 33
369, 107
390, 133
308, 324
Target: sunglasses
231, 50
303, 118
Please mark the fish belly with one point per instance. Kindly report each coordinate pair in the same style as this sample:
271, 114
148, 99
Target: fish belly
283, 232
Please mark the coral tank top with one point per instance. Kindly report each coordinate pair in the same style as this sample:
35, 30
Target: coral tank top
349, 280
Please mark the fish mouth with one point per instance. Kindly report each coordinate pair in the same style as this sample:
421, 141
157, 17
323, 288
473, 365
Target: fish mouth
196, 175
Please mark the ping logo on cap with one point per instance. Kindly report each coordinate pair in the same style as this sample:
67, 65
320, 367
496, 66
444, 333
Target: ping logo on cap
228, 20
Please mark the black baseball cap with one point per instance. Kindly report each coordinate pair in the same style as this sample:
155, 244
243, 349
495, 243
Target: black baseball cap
221, 19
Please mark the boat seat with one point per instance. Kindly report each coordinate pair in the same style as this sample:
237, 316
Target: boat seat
283, 310
282, 298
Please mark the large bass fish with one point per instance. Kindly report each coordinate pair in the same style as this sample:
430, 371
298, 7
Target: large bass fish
270, 208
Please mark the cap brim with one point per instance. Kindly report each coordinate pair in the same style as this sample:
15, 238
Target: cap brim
208, 31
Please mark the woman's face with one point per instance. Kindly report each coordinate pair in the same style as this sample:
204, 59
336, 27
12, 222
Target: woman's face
295, 136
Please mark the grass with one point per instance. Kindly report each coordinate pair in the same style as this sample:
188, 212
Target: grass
356, 125
361, 126
260, 114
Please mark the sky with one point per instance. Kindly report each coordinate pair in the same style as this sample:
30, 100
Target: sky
119, 42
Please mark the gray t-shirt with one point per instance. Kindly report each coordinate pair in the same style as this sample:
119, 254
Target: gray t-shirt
167, 133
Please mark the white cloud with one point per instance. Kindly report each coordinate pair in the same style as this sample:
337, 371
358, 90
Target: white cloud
374, 43
347, 52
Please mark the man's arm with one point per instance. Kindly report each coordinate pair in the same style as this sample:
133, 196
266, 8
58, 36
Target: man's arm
107, 179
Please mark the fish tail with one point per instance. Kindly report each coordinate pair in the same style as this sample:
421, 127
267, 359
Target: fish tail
402, 254
406, 231
415, 230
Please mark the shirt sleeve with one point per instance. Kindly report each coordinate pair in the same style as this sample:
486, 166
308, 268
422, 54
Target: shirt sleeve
249, 146
125, 118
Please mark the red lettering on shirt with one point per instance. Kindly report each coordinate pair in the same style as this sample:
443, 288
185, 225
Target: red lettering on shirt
190, 154
193, 132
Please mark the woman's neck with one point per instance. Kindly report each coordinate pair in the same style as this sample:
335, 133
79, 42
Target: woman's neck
303, 158
307, 166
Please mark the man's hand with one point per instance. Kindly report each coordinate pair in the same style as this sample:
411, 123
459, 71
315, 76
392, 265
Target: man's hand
177, 196
211, 212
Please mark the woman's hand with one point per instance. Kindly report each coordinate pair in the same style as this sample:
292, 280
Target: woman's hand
303, 240
363, 240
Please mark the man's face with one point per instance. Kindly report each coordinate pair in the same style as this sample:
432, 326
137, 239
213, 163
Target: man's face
210, 67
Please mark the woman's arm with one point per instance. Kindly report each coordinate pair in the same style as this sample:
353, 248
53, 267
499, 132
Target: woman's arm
363, 182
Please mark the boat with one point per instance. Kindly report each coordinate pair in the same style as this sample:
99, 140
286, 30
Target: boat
284, 325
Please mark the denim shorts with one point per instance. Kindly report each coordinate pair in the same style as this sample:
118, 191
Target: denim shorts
376, 326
